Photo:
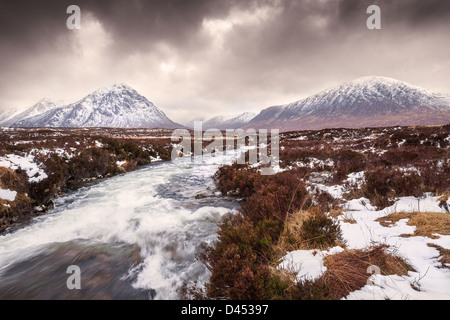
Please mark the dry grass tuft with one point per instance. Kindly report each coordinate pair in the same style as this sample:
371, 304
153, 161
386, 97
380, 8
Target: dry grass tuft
334, 213
444, 196
393, 218
348, 218
444, 255
9, 210
347, 271
309, 229
11, 180
291, 238
427, 224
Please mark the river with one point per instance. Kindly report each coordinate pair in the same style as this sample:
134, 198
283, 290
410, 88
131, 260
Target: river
133, 236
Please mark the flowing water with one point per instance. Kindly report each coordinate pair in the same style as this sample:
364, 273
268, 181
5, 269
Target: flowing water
134, 236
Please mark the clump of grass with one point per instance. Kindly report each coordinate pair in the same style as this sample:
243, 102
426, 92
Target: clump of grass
347, 272
427, 224
291, 238
12, 180
16, 181
320, 232
348, 218
334, 213
309, 229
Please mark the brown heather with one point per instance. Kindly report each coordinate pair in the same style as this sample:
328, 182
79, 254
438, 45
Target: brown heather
278, 215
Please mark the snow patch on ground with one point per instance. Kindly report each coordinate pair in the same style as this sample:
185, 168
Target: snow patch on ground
314, 162
356, 179
433, 281
120, 163
358, 205
155, 159
390, 287
413, 204
307, 264
98, 144
430, 280
7, 194
14, 162
58, 151
336, 191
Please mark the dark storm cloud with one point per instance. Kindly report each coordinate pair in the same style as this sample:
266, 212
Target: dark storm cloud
31, 26
415, 13
217, 53
137, 23
32, 23
418, 12
29, 23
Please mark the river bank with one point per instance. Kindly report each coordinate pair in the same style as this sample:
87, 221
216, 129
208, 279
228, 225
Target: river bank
343, 200
39, 165
376, 192
151, 220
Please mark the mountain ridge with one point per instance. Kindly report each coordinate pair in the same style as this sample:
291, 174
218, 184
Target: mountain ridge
366, 101
116, 106
363, 102
228, 122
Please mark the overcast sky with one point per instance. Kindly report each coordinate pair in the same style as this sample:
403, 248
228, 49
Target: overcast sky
201, 58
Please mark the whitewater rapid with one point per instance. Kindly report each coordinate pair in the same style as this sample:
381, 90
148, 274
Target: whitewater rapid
152, 211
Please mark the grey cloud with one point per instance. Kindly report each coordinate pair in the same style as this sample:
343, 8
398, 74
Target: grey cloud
301, 47
414, 13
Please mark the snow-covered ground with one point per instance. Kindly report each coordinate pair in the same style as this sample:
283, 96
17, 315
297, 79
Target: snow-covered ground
308, 264
34, 172
432, 280
7, 194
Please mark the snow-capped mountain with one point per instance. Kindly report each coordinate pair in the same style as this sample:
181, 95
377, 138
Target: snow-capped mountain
6, 116
267, 115
39, 108
229, 122
364, 102
119, 106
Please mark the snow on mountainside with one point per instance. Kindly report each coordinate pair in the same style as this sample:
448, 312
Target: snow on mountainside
42, 106
6, 116
39, 108
367, 101
367, 96
267, 114
119, 106
230, 122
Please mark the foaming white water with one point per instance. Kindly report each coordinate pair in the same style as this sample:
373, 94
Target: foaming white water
154, 208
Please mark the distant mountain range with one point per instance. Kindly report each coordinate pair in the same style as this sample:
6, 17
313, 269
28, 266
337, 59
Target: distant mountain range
229, 122
119, 106
364, 102
14, 116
